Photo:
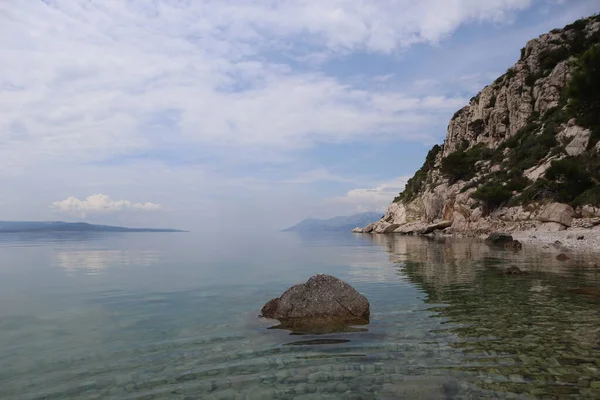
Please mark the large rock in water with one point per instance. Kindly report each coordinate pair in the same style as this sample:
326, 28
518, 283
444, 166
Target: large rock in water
323, 303
499, 238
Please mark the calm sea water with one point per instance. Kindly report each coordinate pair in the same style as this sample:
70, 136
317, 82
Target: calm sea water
174, 316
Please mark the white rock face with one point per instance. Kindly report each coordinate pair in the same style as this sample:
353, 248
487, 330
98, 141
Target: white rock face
537, 171
395, 214
579, 143
559, 213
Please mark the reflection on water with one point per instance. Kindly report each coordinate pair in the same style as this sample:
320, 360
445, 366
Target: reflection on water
94, 261
181, 320
533, 334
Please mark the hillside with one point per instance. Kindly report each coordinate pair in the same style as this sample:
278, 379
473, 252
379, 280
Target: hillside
60, 226
523, 154
335, 224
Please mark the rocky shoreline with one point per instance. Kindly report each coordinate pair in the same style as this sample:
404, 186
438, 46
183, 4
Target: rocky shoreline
553, 226
580, 240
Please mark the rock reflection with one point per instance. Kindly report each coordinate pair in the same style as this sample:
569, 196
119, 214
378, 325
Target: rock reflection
95, 261
317, 342
535, 334
321, 327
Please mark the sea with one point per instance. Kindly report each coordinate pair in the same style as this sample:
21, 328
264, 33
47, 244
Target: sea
176, 316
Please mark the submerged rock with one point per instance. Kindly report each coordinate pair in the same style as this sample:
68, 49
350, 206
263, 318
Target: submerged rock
323, 303
513, 271
498, 238
513, 245
562, 257
587, 291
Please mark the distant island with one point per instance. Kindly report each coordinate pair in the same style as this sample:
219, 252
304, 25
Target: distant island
336, 224
61, 226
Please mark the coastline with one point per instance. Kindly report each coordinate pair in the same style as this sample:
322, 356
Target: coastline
573, 240
570, 240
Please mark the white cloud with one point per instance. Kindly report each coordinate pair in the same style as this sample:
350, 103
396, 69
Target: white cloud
104, 67
99, 204
370, 199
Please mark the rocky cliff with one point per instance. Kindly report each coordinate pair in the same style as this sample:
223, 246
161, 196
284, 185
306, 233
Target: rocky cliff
524, 153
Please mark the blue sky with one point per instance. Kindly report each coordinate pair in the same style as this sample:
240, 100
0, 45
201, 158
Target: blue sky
246, 113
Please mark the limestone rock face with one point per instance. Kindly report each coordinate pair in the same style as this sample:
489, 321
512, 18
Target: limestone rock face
537, 171
580, 140
322, 301
391, 228
369, 228
522, 102
558, 212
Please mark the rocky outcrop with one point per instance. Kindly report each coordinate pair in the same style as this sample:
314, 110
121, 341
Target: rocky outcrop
495, 170
323, 303
578, 138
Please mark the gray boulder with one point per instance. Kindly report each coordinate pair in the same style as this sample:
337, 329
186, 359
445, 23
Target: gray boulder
323, 303
559, 213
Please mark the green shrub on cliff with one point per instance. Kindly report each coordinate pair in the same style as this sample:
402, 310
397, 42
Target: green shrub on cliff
492, 195
529, 145
460, 165
590, 196
569, 179
583, 91
416, 184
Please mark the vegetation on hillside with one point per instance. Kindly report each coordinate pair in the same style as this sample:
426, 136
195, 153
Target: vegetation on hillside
583, 92
416, 184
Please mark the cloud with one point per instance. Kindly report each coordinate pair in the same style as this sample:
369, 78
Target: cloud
226, 71
99, 204
370, 199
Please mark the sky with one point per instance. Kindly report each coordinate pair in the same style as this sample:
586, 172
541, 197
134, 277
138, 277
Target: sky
245, 114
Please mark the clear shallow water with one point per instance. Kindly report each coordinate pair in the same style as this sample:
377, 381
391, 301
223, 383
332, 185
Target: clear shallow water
173, 316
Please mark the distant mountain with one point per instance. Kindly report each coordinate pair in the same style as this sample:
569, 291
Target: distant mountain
346, 223
60, 226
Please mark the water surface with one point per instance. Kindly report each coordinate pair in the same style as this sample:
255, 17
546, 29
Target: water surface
174, 316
